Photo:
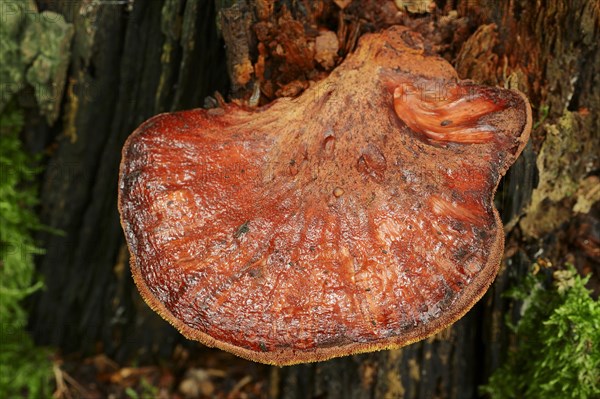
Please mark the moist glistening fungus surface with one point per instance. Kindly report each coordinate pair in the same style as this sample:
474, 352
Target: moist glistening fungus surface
354, 218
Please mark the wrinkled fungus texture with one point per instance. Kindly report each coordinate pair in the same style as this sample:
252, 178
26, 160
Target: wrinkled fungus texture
353, 218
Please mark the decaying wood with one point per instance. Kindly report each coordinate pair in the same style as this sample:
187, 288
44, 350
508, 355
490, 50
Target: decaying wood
124, 69
130, 62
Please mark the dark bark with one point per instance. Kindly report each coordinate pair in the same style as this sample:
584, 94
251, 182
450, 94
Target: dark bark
128, 65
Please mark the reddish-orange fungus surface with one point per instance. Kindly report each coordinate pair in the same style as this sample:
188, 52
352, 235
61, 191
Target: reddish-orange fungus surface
353, 218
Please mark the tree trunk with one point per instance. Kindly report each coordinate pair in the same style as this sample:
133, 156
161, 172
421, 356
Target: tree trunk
126, 66
132, 61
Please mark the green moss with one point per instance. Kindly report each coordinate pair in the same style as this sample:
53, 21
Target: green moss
26, 370
144, 390
34, 49
557, 354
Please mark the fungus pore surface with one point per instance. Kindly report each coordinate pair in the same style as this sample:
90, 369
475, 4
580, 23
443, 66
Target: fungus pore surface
356, 217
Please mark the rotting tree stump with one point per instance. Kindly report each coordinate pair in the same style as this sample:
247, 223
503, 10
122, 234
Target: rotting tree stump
132, 61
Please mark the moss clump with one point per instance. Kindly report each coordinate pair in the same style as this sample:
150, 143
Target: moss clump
26, 370
557, 354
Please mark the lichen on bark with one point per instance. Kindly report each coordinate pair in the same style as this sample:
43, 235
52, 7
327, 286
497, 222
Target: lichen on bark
565, 159
34, 48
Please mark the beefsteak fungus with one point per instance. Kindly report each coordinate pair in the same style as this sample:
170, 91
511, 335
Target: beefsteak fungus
356, 217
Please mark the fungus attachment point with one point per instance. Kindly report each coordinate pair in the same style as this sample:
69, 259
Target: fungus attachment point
356, 217
447, 114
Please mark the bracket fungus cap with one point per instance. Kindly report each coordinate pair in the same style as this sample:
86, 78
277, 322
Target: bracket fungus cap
356, 217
